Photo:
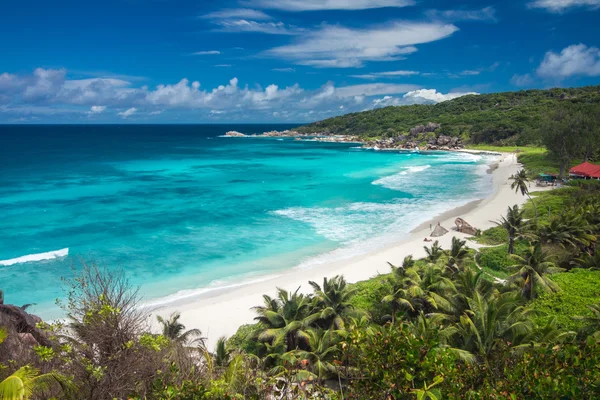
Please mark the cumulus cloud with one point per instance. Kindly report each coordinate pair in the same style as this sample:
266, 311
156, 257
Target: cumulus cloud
206, 53
315, 5
244, 13
560, 6
51, 92
341, 47
97, 110
432, 95
577, 59
128, 113
484, 14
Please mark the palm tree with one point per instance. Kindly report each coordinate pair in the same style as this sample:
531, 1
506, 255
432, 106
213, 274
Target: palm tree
399, 297
468, 283
323, 350
489, 323
285, 319
457, 254
513, 224
332, 301
429, 289
434, 253
588, 261
592, 322
568, 230
175, 330
520, 183
532, 269
222, 354
27, 381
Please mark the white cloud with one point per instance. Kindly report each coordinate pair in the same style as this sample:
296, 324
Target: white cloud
432, 95
577, 59
223, 65
127, 113
315, 5
521, 80
373, 89
206, 53
97, 110
340, 47
388, 74
10, 81
51, 92
244, 13
242, 25
470, 72
484, 14
421, 96
560, 6
284, 69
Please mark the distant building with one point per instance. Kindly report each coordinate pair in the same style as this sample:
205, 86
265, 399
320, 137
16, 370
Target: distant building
586, 170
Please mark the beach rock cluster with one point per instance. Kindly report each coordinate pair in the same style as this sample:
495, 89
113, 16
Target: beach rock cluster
234, 134
430, 127
422, 137
300, 136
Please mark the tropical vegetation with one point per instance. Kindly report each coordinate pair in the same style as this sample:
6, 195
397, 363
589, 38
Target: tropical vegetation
515, 317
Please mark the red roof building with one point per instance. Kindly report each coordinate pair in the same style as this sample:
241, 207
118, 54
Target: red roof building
587, 170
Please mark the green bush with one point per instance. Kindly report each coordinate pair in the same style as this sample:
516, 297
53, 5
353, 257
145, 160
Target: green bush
566, 371
368, 295
579, 288
493, 236
243, 338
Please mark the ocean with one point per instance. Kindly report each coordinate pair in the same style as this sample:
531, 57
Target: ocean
184, 210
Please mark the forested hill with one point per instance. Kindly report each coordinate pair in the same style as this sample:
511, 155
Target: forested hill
502, 118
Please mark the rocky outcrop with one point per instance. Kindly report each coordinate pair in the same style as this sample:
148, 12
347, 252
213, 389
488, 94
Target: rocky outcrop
430, 127
423, 137
23, 322
234, 134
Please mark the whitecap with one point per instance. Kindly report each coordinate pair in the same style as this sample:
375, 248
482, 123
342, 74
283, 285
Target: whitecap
36, 257
416, 168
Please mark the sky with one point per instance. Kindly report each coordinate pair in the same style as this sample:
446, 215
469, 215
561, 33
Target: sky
288, 61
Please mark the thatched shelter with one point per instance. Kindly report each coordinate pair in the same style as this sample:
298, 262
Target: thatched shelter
439, 231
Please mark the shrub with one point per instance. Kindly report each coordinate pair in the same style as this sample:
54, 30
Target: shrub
579, 288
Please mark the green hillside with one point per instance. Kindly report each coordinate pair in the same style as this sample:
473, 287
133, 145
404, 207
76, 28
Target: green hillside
499, 118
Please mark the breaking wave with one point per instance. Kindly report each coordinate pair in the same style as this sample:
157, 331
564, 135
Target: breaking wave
36, 257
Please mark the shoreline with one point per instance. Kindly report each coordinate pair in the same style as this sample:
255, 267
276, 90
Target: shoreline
220, 312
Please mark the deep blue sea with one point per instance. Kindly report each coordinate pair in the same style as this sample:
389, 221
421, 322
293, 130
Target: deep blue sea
183, 210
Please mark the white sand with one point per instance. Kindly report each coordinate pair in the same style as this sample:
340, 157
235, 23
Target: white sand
220, 313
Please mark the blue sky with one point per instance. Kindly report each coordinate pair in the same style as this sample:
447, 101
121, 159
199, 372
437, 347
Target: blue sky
180, 61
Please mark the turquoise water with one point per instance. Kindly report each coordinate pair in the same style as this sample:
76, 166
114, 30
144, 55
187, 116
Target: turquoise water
183, 210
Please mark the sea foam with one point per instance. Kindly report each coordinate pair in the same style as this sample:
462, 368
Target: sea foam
36, 257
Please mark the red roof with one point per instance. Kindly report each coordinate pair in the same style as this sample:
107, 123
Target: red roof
586, 169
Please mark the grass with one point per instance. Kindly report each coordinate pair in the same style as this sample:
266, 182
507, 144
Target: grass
492, 236
579, 288
549, 203
508, 149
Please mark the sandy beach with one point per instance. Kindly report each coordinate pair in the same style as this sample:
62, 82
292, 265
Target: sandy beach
221, 312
